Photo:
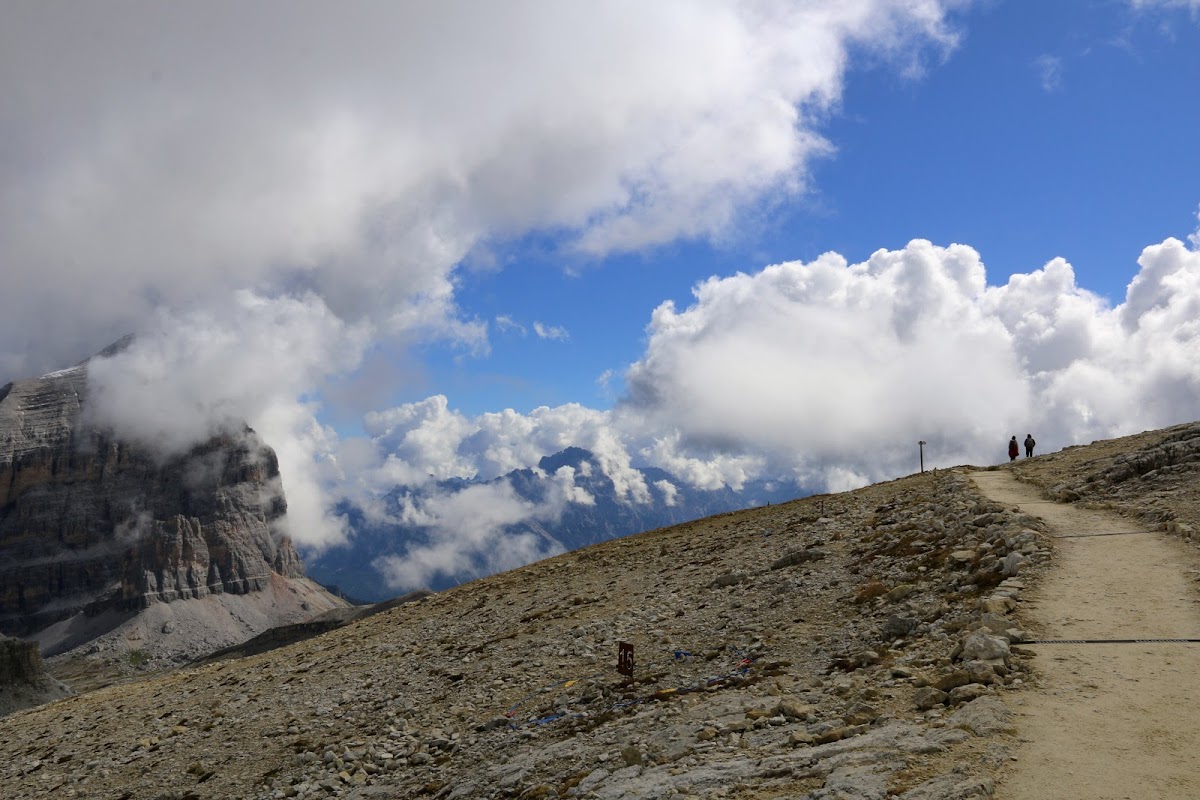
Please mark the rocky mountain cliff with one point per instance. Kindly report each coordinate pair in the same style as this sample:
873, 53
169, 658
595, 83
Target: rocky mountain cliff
95, 530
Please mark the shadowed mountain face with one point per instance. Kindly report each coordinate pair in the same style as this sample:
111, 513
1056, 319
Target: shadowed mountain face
609, 516
90, 524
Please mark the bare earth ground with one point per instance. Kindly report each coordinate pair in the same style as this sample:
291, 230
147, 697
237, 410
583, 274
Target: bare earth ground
779, 653
842, 647
1109, 720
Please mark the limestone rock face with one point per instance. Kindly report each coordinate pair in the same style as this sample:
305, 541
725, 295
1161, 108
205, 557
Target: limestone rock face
90, 523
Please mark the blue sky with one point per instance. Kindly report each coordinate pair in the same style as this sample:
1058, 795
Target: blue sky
1051, 130
753, 239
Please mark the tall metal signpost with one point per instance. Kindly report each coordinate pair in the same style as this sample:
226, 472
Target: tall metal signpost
921, 446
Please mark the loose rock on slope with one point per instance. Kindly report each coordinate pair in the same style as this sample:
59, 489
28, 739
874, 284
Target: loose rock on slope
804, 677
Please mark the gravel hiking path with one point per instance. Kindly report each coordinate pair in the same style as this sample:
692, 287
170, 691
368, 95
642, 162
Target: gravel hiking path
1119, 721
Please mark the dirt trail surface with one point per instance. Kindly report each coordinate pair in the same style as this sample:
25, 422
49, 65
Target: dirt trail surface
1109, 720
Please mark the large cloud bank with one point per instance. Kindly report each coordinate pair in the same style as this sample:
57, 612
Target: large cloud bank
268, 193
166, 153
833, 364
222, 177
829, 373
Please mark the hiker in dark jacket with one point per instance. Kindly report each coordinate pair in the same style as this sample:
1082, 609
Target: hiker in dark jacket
1029, 443
1014, 449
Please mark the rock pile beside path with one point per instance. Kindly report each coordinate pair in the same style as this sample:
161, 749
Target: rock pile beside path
845, 646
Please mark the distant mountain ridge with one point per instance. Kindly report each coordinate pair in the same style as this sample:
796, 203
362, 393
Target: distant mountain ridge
610, 516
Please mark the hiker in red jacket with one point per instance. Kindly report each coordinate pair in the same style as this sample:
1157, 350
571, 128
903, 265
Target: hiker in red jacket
1014, 449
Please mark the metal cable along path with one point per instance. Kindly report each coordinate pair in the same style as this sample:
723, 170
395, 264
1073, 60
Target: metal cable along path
1088, 535
1077, 535
1106, 641
1097, 641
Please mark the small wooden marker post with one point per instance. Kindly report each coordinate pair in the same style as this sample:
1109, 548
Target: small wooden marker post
625, 659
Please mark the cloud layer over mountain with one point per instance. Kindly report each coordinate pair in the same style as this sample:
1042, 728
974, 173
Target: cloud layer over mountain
166, 154
215, 174
828, 373
266, 203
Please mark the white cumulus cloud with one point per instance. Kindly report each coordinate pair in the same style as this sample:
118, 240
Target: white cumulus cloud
668, 490
332, 166
551, 332
188, 377
164, 155
466, 535
833, 366
828, 373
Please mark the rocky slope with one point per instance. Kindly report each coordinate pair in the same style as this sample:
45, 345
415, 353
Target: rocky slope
858, 645
1152, 476
95, 531
842, 646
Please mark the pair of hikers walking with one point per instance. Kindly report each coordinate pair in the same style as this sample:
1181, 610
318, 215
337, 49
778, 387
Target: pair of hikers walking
1014, 449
